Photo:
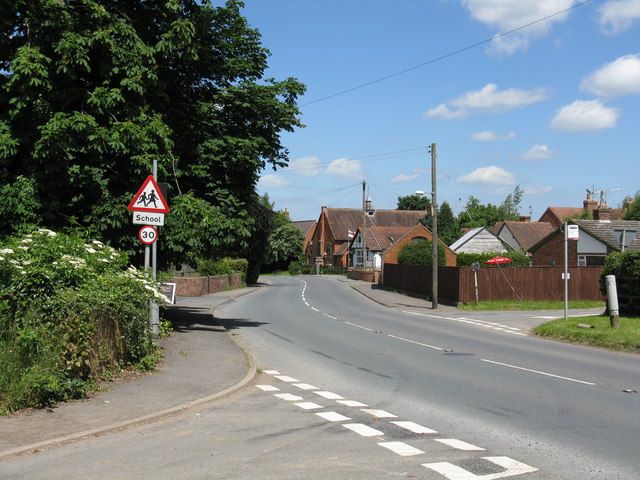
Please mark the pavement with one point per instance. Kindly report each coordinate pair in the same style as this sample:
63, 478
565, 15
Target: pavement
202, 363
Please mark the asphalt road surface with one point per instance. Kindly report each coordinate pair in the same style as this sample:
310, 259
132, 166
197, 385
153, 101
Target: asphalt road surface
350, 389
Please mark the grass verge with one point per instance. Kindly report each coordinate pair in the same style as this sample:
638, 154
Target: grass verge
528, 305
626, 338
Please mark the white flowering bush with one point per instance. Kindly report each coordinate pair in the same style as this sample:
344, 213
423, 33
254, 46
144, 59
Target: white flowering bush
69, 309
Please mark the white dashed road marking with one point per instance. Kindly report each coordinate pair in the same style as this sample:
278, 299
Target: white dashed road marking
307, 405
332, 416
417, 343
379, 413
453, 472
288, 397
304, 386
268, 388
284, 378
401, 448
352, 403
315, 309
329, 395
363, 430
470, 321
458, 444
359, 326
414, 427
536, 371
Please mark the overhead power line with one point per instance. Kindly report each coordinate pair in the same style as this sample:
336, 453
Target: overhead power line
446, 55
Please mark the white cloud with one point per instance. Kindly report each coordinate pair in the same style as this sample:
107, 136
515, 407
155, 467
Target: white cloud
505, 15
271, 180
489, 136
403, 177
585, 116
307, 166
537, 152
620, 77
618, 15
343, 167
489, 176
537, 189
488, 99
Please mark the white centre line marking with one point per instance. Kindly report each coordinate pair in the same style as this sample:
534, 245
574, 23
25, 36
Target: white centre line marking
332, 416
271, 372
401, 448
288, 397
352, 403
330, 316
284, 378
329, 395
363, 430
359, 326
315, 309
307, 405
268, 388
378, 413
414, 427
453, 472
417, 343
537, 371
307, 303
458, 444
304, 386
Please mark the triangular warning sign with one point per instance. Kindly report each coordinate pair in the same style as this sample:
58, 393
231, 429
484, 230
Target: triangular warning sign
149, 198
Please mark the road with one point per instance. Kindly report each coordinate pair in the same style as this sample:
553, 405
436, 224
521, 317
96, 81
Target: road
471, 397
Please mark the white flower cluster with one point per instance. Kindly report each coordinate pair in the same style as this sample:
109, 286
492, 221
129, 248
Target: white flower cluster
75, 261
138, 275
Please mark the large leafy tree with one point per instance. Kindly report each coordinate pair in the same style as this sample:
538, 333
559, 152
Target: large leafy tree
91, 91
477, 214
284, 243
415, 201
632, 208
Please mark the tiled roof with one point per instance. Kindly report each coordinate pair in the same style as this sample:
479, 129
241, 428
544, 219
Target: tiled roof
605, 231
341, 220
527, 234
380, 238
563, 213
304, 225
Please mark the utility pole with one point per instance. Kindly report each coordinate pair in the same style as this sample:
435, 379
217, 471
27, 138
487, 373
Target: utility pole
434, 230
364, 212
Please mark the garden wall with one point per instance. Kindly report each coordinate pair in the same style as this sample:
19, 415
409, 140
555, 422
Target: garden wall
198, 286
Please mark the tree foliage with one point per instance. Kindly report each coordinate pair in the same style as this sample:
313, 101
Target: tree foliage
632, 208
414, 201
284, 244
476, 214
420, 253
92, 91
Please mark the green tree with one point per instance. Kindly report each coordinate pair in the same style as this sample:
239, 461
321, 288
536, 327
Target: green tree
414, 201
284, 243
448, 229
510, 206
632, 208
420, 253
91, 91
262, 214
477, 214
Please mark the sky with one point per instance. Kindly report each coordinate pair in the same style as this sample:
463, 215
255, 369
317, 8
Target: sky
553, 107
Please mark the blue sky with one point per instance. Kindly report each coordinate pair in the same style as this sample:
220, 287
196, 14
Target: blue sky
554, 108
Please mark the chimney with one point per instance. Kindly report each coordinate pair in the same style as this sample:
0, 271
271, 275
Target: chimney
602, 213
589, 203
524, 218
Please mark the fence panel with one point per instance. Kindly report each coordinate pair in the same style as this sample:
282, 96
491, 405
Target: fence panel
456, 284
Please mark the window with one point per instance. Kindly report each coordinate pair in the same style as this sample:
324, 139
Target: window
359, 260
590, 260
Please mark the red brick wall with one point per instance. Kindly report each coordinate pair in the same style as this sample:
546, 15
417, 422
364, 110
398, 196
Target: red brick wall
198, 286
553, 251
391, 255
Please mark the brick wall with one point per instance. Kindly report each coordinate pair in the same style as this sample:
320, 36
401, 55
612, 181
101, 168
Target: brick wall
198, 286
552, 253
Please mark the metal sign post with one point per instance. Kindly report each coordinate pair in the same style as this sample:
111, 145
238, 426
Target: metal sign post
154, 308
571, 232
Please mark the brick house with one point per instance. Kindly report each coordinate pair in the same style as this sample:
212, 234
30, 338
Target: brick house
556, 216
368, 244
522, 235
418, 232
307, 228
598, 238
330, 238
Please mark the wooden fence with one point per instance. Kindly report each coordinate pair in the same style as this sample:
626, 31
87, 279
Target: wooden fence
456, 284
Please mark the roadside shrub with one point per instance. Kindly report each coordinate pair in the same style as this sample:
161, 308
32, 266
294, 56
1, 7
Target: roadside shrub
626, 267
295, 268
519, 258
69, 309
332, 270
420, 253
223, 266
307, 269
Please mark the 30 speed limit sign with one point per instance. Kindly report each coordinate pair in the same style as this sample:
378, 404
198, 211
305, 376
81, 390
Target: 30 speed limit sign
148, 234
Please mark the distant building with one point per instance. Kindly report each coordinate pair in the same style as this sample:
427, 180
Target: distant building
478, 240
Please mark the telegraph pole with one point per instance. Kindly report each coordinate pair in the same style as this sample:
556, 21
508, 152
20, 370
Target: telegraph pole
434, 230
364, 213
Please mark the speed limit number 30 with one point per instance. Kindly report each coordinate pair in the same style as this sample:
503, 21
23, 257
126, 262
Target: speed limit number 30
148, 234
